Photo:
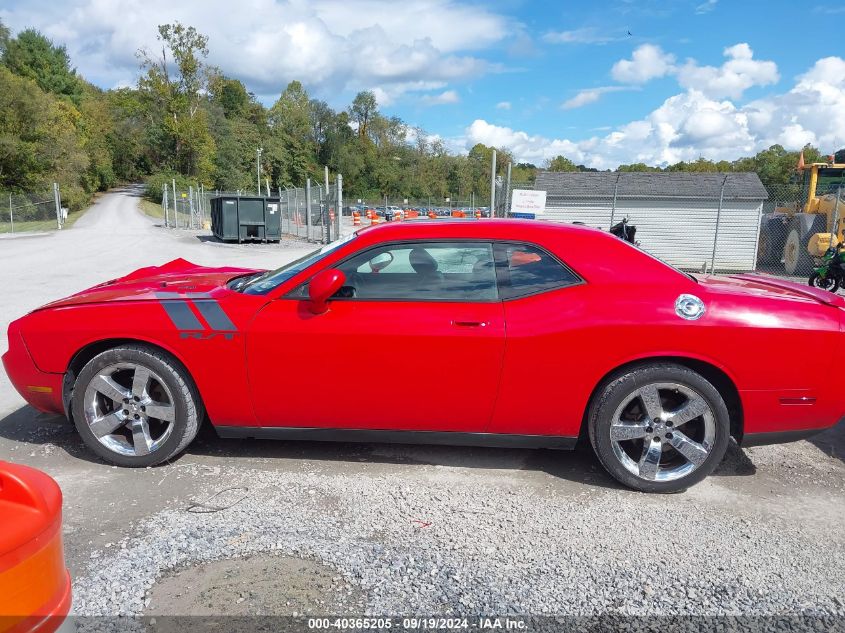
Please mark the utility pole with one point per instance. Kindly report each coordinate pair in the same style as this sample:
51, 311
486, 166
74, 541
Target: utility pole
258, 168
493, 186
12, 213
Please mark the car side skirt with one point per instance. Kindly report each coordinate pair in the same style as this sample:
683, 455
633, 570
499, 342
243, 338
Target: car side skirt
496, 440
777, 437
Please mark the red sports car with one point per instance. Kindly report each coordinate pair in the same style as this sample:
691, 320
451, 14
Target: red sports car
494, 333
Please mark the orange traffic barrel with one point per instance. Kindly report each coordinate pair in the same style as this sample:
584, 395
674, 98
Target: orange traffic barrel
34, 581
432, 215
356, 218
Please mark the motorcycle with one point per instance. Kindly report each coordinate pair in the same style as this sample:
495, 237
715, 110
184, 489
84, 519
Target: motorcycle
830, 273
625, 231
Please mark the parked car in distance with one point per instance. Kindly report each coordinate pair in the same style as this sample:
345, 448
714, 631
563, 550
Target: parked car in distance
569, 333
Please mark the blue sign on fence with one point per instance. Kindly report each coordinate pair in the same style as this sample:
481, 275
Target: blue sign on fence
524, 216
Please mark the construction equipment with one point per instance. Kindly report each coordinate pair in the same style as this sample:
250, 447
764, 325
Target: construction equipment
794, 234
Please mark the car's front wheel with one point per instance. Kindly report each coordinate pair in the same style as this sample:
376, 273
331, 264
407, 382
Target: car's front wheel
135, 406
659, 428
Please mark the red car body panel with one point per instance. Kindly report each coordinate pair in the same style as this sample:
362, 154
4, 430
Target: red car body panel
410, 366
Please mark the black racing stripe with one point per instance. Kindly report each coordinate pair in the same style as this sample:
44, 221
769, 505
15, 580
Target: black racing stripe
214, 315
181, 315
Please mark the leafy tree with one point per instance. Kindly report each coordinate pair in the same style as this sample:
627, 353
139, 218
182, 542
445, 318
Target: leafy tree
35, 57
174, 83
5, 36
561, 163
364, 107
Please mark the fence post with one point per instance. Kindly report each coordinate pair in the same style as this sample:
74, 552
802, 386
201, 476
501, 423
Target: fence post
718, 218
191, 205
58, 205
492, 186
164, 204
339, 214
308, 209
11, 214
507, 200
175, 208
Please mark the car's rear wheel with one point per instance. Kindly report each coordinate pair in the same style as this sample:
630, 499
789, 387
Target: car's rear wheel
659, 428
136, 406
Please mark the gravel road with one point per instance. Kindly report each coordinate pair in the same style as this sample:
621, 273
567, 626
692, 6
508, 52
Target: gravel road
378, 529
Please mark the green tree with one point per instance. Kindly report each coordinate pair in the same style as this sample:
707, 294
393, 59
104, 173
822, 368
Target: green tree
364, 107
35, 57
561, 163
5, 36
174, 83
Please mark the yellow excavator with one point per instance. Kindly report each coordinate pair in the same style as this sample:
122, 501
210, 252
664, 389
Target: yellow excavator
795, 234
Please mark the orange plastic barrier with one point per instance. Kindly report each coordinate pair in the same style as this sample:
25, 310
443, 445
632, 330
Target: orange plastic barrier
458, 214
432, 215
411, 214
478, 214
34, 582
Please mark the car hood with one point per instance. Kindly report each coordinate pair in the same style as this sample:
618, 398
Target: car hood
179, 276
768, 287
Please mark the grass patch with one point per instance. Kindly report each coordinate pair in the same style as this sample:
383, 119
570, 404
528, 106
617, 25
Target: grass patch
39, 225
151, 209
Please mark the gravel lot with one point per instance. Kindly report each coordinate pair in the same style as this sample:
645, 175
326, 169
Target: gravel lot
342, 529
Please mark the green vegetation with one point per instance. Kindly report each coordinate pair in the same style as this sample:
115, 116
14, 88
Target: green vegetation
152, 209
187, 121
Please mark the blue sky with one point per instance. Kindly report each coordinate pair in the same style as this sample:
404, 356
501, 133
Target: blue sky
714, 78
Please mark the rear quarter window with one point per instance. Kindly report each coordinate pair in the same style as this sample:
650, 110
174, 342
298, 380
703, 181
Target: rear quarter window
527, 269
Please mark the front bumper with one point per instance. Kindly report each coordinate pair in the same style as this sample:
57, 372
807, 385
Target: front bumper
41, 389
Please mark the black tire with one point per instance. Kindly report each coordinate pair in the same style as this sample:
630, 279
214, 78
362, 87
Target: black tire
618, 389
186, 403
796, 257
830, 284
772, 241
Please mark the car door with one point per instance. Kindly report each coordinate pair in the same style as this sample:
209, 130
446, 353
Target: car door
549, 362
414, 341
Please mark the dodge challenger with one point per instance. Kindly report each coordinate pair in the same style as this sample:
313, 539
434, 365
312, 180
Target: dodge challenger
499, 333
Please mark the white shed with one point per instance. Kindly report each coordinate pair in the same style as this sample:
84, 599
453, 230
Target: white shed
676, 213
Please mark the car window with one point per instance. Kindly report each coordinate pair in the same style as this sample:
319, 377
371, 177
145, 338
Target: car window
424, 271
263, 283
529, 269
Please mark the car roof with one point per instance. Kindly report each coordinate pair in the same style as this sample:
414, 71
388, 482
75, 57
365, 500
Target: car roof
451, 228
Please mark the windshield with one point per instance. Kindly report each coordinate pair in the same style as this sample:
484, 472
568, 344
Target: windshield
262, 283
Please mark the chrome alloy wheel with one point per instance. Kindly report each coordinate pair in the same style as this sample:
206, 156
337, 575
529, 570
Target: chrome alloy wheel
129, 409
663, 431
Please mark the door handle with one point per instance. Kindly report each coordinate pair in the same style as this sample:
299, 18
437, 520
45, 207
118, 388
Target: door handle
469, 323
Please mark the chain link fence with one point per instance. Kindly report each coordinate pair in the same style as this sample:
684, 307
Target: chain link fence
26, 212
312, 212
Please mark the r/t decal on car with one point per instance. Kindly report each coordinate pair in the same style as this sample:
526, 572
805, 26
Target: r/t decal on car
206, 321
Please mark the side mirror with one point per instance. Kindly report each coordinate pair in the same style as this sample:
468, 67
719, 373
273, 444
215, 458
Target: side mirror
322, 286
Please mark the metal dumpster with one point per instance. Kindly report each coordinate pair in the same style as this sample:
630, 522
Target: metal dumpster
246, 218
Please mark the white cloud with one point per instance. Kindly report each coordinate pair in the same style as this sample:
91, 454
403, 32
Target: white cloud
590, 95
444, 98
692, 124
739, 73
647, 62
586, 35
503, 105
707, 6
329, 45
